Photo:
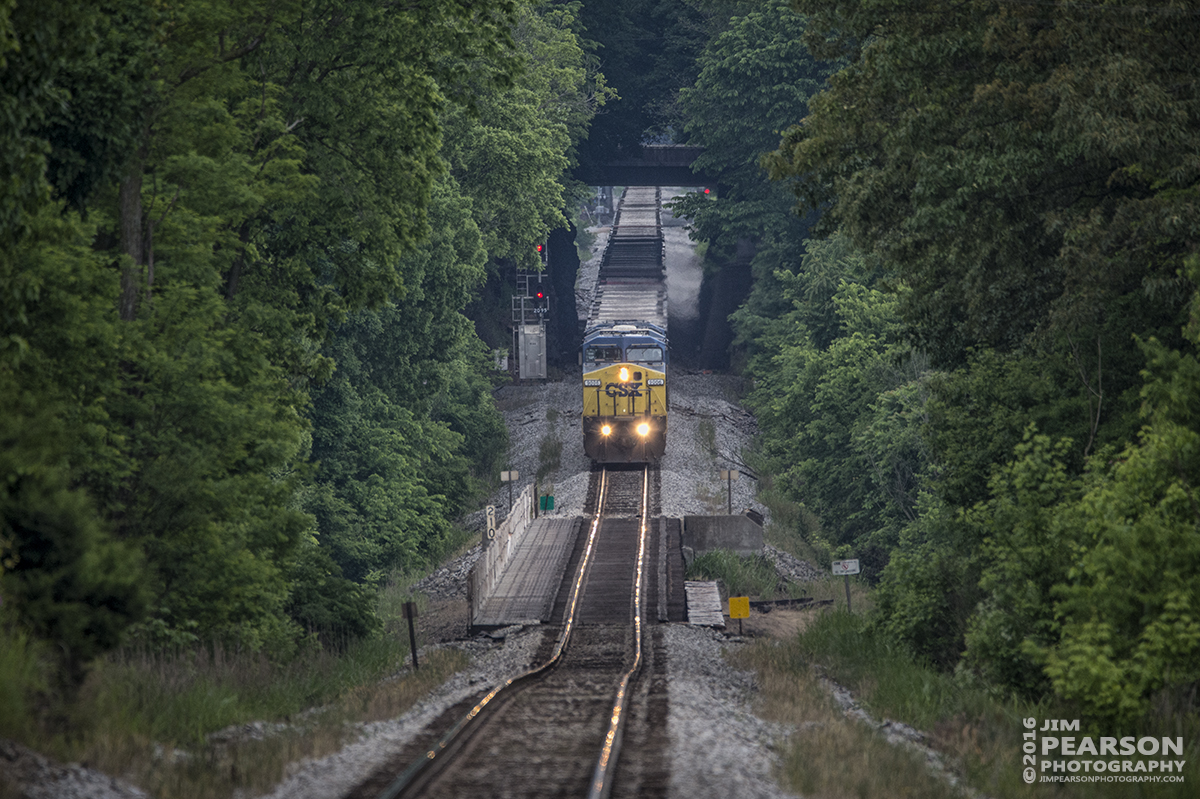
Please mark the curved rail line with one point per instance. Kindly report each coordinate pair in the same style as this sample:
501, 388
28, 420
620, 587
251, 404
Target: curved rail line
604, 769
602, 776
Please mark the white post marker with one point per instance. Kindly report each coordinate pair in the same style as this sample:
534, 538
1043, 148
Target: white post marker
729, 475
510, 478
846, 568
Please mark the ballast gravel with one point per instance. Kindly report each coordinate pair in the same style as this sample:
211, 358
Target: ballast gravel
719, 748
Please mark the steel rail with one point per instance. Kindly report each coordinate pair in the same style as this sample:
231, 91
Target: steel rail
417, 767
602, 776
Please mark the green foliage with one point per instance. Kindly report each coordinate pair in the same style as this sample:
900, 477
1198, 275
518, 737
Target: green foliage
407, 419
989, 212
842, 421
1026, 553
371, 504
741, 576
66, 580
755, 79
930, 587
191, 212
976, 151
509, 154
867, 660
965, 719
178, 698
324, 602
1129, 612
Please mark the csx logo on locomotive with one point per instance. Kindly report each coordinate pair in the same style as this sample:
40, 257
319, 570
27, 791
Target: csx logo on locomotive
622, 389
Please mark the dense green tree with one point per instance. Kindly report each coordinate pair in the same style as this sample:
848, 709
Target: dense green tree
60, 571
392, 477
987, 149
405, 430
237, 178
842, 420
1130, 610
1090, 584
63, 578
930, 588
511, 150
1024, 552
755, 79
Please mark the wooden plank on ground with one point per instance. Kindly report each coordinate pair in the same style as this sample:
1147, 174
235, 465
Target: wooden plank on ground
704, 603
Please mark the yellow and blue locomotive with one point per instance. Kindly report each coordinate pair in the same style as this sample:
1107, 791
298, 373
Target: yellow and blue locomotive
625, 392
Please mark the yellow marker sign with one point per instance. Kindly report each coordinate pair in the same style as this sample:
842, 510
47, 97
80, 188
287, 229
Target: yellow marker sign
739, 607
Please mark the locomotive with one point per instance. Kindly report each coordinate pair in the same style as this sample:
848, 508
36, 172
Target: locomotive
625, 392
625, 349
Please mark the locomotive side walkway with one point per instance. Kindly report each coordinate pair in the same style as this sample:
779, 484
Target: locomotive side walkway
526, 591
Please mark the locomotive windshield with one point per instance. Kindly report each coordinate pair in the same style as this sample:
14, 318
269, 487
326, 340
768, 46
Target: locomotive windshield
644, 354
602, 354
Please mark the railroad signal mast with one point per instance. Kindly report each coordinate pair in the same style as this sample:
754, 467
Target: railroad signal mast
530, 305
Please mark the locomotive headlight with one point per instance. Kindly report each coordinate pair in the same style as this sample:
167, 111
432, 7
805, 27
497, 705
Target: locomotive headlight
643, 429
605, 430
624, 374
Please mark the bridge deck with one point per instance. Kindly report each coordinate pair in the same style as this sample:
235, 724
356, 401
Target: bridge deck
525, 594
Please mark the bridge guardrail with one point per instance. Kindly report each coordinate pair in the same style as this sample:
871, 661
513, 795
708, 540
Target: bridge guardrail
488, 570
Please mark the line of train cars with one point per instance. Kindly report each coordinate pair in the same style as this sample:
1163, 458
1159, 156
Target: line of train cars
624, 351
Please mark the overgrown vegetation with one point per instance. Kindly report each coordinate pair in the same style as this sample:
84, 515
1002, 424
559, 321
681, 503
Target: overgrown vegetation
172, 719
740, 576
977, 730
829, 754
973, 343
134, 704
238, 388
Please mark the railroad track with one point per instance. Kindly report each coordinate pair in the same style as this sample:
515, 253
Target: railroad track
558, 729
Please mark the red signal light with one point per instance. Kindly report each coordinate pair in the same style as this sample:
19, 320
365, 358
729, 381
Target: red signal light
706, 191
540, 295
539, 247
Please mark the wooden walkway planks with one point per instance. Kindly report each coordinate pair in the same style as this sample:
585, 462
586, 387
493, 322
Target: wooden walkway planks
526, 591
704, 603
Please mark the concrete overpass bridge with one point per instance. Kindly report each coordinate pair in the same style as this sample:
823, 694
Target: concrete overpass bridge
649, 165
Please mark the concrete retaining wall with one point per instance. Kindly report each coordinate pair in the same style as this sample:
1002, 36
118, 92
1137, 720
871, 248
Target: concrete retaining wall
705, 533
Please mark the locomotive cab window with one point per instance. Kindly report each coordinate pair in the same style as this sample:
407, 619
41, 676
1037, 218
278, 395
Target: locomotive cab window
644, 354
602, 354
